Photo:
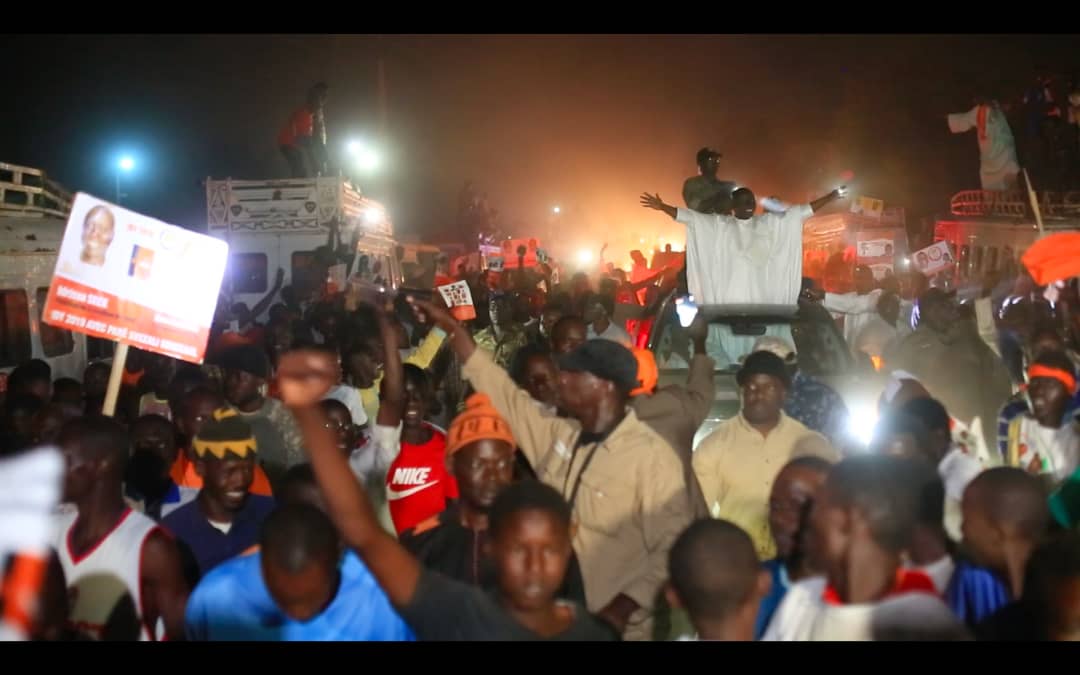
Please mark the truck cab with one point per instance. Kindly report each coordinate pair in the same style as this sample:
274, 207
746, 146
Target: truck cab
33, 215
274, 224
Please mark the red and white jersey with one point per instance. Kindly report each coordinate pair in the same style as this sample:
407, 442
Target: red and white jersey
101, 577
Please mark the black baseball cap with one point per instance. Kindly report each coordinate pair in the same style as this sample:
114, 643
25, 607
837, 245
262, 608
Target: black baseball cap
705, 154
606, 360
763, 363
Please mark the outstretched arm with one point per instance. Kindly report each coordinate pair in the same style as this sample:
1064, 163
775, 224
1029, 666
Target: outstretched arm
533, 429
304, 377
816, 205
654, 202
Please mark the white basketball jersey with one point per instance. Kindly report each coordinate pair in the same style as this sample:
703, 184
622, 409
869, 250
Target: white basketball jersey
107, 573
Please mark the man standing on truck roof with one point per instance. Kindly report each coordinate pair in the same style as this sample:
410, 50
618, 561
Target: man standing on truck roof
704, 193
303, 138
998, 167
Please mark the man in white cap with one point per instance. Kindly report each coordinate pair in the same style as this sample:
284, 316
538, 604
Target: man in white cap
810, 401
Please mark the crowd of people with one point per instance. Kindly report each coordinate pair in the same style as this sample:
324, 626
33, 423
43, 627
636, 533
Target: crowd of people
371, 468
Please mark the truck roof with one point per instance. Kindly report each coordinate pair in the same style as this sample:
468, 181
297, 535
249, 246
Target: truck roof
26, 191
292, 206
1013, 207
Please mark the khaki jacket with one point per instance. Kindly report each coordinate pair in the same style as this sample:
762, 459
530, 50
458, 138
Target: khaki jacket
631, 502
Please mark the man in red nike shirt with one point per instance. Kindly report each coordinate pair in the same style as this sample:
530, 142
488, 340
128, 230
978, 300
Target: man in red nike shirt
417, 482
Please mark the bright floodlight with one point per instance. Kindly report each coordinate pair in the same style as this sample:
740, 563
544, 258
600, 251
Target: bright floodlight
364, 155
556, 210
127, 163
862, 422
584, 256
373, 215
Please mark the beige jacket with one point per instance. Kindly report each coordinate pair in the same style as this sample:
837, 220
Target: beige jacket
736, 467
632, 501
676, 413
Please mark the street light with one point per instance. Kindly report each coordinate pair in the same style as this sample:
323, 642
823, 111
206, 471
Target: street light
556, 210
125, 165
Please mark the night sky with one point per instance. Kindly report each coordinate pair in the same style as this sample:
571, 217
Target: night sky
585, 122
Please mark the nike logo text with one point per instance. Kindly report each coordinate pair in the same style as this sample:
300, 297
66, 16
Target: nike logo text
394, 495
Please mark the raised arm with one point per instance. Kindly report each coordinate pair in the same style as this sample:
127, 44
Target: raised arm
700, 384
654, 202
304, 377
393, 382
535, 432
816, 205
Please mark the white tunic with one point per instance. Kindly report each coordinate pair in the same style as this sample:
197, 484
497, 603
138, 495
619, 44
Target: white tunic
755, 261
957, 469
101, 577
613, 333
997, 151
857, 310
804, 616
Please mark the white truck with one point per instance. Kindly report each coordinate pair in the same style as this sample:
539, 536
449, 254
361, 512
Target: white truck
33, 213
279, 224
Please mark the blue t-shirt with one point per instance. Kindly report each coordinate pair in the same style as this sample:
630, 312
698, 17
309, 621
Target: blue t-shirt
771, 602
974, 593
232, 603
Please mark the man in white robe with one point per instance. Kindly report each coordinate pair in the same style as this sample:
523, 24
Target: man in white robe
743, 258
998, 167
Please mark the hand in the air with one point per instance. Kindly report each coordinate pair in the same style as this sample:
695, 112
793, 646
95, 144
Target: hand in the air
652, 201
304, 376
430, 312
